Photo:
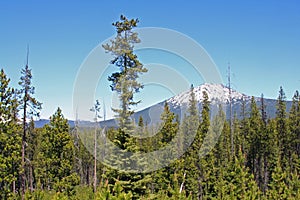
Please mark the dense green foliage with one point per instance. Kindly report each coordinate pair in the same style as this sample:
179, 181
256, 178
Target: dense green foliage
10, 140
56, 165
56, 156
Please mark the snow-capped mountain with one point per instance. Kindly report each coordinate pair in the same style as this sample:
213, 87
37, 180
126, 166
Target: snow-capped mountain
217, 93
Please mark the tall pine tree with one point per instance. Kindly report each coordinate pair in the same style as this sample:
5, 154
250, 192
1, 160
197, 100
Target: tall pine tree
29, 107
125, 83
56, 156
294, 123
10, 140
196, 161
284, 138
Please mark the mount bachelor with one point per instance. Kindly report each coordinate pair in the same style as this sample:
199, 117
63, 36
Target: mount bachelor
218, 95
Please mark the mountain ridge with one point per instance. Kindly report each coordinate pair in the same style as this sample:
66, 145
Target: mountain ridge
218, 95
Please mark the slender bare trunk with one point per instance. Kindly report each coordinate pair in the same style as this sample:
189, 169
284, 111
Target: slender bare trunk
23, 149
31, 178
182, 184
265, 186
95, 160
88, 175
14, 187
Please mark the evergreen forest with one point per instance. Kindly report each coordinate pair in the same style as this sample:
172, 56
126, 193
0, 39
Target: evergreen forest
254, 157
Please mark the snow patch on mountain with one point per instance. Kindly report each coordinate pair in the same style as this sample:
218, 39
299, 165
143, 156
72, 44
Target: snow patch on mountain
217, 93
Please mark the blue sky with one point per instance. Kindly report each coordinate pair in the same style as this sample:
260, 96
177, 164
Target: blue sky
261, 40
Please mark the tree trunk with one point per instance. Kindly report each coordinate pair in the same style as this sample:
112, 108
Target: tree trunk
260, 172
14, 187
95, 160
200, 178
23, 149
88, 175
265, 187
31, 178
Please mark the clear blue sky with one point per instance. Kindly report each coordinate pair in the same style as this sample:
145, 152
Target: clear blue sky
261, 39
